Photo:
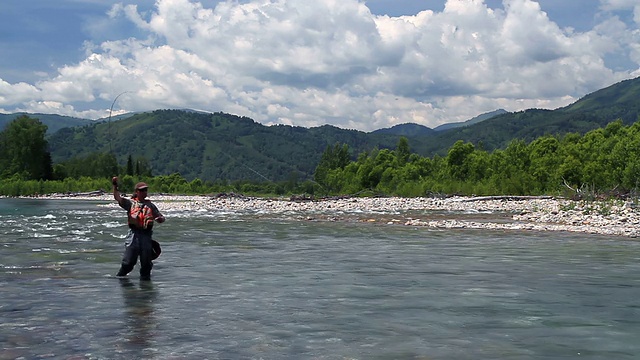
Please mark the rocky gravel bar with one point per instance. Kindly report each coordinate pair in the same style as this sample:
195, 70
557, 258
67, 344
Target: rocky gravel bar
511, 213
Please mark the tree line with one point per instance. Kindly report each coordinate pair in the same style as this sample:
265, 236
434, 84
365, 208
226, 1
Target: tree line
602, 160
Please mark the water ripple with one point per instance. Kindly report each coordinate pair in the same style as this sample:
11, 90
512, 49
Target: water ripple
243, 285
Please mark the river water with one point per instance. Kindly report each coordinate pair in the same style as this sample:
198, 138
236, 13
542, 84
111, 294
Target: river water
241, 286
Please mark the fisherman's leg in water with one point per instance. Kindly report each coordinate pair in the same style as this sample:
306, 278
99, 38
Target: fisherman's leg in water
130, 256
146, 254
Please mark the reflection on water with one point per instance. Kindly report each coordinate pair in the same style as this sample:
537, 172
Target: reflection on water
140, 322
235, 286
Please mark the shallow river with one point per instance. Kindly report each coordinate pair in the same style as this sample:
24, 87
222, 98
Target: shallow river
241, 286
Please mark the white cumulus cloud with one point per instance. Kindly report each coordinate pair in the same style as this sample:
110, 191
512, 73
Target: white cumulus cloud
334, 62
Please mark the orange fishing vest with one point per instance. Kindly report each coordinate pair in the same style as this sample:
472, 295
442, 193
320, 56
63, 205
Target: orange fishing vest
140, 215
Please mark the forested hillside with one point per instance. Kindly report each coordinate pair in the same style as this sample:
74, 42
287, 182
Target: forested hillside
596, 110
226, 147
211, 146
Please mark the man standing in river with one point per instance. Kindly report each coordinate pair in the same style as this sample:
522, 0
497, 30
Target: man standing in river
141, 213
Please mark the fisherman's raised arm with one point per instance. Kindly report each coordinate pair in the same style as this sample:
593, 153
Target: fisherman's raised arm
116, 192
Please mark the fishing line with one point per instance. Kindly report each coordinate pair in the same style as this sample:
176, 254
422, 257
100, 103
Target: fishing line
110, 111
262, 176
230, 157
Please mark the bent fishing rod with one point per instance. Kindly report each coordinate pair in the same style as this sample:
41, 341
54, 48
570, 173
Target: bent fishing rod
109, 121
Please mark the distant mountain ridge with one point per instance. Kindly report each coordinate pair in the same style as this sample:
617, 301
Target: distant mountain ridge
411, 129
475, 120
54, 122
407, 129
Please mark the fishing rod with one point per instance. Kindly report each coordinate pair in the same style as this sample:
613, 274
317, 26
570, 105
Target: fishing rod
110, 111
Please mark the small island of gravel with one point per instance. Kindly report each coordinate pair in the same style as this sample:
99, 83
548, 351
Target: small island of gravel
514, 213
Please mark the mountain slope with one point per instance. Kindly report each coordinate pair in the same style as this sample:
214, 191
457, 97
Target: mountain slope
211, 146
619, 101
475, 120
408, 129
227, 147
53, 122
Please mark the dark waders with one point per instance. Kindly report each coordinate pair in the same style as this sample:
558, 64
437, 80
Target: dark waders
138, 243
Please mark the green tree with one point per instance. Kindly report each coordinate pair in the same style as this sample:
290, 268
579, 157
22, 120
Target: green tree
24, 150
545, 161
336, 157
631, 172
402, 151
95, 165
571, 171
143, 168
130, 165
457, 159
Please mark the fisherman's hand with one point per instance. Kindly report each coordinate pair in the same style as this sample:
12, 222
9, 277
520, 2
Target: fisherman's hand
160, 219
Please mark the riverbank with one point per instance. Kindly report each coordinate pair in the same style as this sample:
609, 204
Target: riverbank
615, 217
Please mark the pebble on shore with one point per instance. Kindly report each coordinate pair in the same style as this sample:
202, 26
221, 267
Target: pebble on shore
613, 217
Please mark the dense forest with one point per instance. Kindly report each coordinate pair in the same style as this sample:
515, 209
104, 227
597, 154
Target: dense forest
603, 160
210, 147
225, 147
590, 146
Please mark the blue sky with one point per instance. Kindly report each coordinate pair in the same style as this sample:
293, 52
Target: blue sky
354, 64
